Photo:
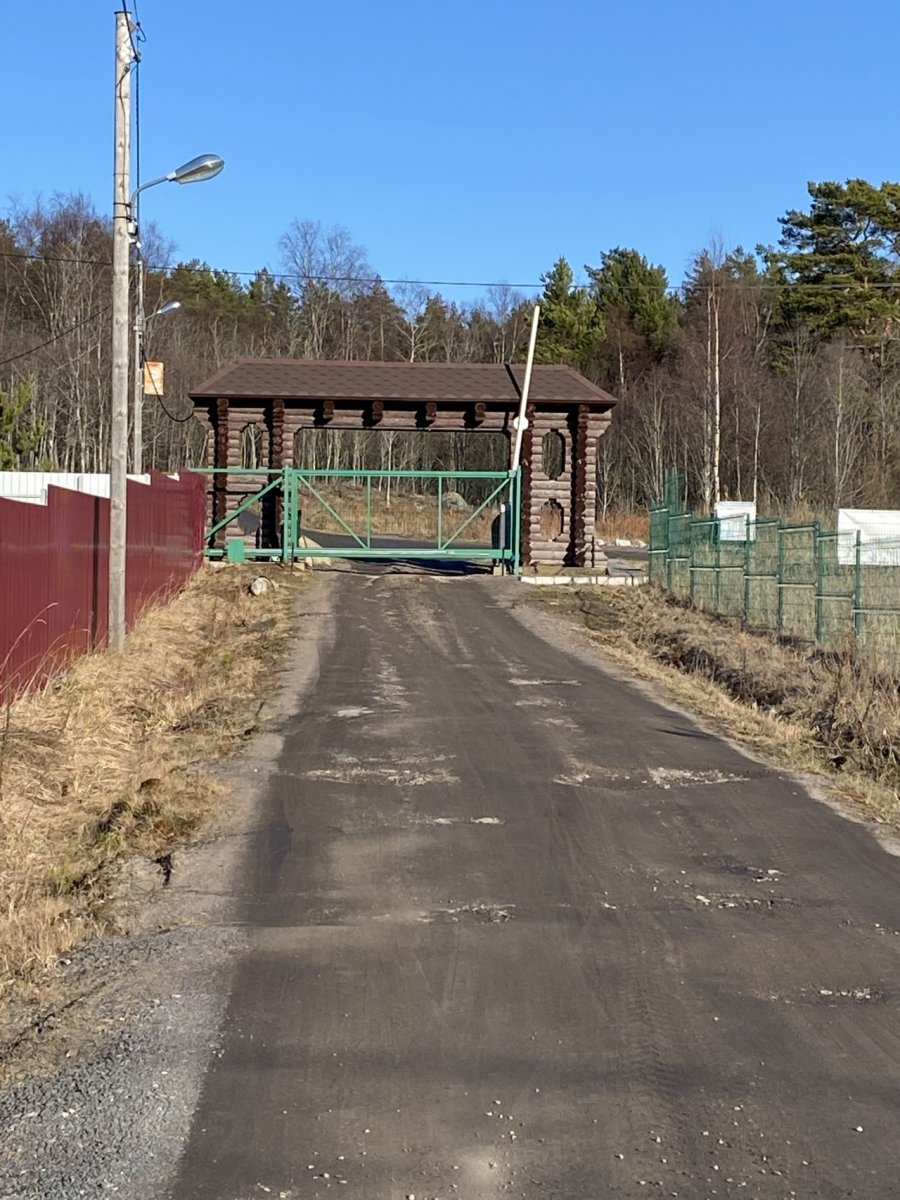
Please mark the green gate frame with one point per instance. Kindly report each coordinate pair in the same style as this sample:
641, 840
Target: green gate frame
293, 482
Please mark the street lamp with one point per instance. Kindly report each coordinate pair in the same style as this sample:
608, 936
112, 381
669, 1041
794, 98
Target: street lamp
169, 306
196, 170
123, 229
199, 169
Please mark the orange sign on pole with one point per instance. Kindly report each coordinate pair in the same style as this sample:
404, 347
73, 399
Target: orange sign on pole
154, 378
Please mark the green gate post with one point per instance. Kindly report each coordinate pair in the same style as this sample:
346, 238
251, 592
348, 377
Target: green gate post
857, 588
780, 576
748, 567
717, 531
295, 511
820, 584
287, 546
440, 511
369, 511
516, 516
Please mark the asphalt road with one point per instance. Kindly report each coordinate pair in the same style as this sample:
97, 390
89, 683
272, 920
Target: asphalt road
518, 930
381, 566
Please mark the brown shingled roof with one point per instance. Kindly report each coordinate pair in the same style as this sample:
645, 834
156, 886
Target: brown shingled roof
314, 379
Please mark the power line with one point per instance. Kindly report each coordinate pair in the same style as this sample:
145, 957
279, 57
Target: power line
135, 33
56, 337
370, 279
674, 289
137, 114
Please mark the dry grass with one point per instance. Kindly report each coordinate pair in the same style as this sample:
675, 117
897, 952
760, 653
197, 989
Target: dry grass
623, 523
109, 759
835, 713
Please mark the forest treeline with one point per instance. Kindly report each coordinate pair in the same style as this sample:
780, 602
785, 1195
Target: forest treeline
771, 374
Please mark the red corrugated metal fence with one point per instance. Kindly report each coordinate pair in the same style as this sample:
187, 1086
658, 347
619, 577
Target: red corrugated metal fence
54, 564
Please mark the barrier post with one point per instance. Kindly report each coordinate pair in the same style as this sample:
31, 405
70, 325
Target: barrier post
857, 587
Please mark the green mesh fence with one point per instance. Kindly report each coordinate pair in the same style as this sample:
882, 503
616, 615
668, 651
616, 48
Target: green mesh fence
877, 611
799, 581
836, 596
762, 577
678, 558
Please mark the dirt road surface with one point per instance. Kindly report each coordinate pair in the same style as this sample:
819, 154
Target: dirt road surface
516, 929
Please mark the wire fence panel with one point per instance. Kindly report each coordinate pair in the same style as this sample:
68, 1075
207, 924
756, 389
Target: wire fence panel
837, 592
800, 581
877, 605
679, 555
797, 581
731, 572
762, 575
703, 575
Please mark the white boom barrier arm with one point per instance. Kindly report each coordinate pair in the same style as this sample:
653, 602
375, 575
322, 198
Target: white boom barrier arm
520, 422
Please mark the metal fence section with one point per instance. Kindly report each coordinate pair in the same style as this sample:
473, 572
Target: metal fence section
32, 486
798, 581
54, 563
306, 505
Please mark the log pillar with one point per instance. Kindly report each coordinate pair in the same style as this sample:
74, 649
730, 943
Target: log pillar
578, 436
526, 465
273, 502
221, 440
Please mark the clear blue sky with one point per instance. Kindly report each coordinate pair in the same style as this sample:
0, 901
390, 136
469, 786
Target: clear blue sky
475, 140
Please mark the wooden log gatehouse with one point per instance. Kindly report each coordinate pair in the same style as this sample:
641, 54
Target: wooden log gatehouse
567, 414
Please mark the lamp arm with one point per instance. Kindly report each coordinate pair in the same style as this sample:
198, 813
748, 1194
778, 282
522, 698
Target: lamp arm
150, 183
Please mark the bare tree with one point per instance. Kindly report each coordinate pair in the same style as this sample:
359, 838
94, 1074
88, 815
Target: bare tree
330, 270
413, 301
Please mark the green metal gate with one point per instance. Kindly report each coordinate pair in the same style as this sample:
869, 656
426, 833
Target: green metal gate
286, 491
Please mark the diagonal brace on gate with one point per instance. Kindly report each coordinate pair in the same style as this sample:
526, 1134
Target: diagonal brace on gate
245, 504
303, 480
502, 486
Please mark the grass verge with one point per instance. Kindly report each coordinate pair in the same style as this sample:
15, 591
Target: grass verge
836, 714
112, 760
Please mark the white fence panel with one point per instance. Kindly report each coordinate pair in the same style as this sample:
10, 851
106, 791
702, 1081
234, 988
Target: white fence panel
31, 486
879, 536
732, 517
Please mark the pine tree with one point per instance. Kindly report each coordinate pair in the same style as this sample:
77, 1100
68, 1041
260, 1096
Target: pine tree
838, 259
571, 322
629, 290
20, 433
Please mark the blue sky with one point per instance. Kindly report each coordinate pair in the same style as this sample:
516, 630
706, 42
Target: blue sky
477, 140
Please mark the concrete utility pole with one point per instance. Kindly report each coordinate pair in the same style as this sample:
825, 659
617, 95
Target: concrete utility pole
118, 465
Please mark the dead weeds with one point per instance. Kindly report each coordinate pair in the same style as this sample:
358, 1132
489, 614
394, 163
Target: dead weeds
112, 759
833, 713
633, 524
